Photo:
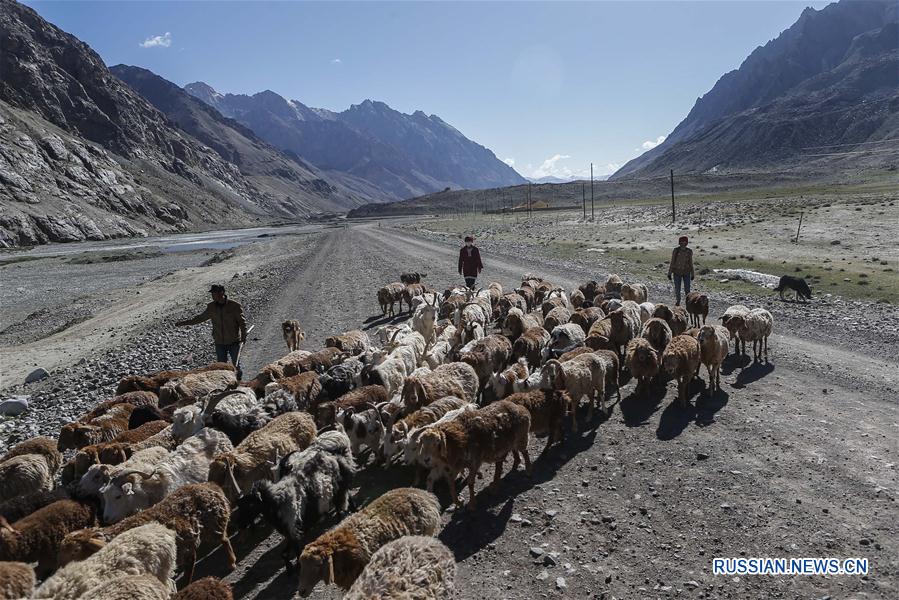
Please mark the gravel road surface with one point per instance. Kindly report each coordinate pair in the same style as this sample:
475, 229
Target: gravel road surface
795, 458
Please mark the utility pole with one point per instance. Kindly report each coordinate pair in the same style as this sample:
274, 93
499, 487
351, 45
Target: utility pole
584, 199
672, 196
592, 209
529, 200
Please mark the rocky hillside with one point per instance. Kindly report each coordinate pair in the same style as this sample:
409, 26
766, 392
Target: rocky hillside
825, 87
283, 176
403, 155
84, 156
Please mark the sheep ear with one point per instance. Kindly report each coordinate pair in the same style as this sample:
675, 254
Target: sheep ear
127, 489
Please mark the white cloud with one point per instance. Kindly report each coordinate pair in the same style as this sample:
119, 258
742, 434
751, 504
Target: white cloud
336, 61
509, 161
552, 167
161, 41
649, 144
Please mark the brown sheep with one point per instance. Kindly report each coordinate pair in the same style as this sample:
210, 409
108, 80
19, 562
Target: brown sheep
208, 588
197, 513
613, 285
36, 538
454, 379
28, 467
610, 358
714, 346
574, 353
642, 362
326, 412
634, 291
354, 342
411, 291
547, 410
23, 505
657, 333
530, 296
675, 317
109, 453
389, 295
135, 399
591, 290
487, 356
339, 556
551, 303
577, 298
305, 387
102, 429
697, 305
517, 322
530, 345
557, 316
473, 438
681, 360
254, 457
586, 317
16, 580
599, 336
154, 381
511, 300
193, 386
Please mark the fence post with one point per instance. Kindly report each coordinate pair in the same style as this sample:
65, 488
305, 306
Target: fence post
672, 196
798, 228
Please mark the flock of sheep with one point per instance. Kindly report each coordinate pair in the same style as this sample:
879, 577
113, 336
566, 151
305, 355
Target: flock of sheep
156, 472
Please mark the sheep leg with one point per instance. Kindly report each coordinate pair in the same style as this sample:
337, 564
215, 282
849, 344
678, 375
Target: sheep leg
527, 457
190, 560
472, 475
498, 471
766, 348
573, 408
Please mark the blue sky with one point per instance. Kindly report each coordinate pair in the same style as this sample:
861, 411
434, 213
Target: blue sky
548, 86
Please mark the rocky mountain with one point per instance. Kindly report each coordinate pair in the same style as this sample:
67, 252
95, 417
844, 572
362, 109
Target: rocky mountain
825, 87
281, 174
403, 155
84, 156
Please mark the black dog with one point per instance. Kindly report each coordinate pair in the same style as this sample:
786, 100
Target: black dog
797, 284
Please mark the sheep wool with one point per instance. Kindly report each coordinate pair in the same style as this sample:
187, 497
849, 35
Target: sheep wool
146, 550
412, 567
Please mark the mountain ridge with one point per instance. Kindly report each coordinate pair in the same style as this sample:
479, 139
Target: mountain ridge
403, 154
770, 108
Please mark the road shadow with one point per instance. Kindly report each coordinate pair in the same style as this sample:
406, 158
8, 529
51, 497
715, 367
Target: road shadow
470, 531
377, 321
752, 373
709, 404
636, 408
675, 418
734, 362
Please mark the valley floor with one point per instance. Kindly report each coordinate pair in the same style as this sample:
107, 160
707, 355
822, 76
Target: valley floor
794, 458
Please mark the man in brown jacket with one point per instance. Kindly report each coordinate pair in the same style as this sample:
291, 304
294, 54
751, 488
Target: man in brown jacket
681, 266
229, 326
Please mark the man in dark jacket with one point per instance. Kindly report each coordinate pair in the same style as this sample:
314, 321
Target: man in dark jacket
681, 267
229, 326
470, 262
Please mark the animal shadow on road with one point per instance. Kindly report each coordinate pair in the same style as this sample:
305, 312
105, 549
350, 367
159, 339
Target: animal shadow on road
469, 531
733, 362
675, 418
375, 321
752, 373
636, 408
708, 405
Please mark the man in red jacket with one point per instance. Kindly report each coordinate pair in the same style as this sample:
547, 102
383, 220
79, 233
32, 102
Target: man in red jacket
470, 262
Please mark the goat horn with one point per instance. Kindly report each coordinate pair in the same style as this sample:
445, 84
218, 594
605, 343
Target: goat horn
331, 427
233, 478
370, 406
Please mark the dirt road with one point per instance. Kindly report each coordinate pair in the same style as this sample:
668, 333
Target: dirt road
796, 458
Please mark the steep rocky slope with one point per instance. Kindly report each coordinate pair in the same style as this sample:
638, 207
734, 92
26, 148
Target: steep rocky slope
403, 155
826, 86
83, 156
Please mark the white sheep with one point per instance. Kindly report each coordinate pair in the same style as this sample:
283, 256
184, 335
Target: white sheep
754, 327
713, 349
146, 550
134, 490
410, 567
97, 476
